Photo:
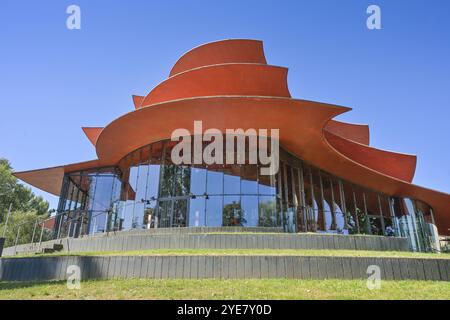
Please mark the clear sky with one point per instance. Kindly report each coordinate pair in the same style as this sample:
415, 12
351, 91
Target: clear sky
53, 80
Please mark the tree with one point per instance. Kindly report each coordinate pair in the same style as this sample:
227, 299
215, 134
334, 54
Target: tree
22, 227
27, 208
21, 197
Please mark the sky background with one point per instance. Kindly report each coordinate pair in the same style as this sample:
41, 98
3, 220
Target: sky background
53, 80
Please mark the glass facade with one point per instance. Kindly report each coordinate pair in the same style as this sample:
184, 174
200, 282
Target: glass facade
146, 190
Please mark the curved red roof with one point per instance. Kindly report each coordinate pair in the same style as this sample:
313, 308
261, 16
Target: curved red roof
220, 52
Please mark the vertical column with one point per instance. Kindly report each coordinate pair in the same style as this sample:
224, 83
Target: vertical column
302, 197
355, 207
380, 209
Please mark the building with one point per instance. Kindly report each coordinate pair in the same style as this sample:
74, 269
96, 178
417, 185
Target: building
329, 179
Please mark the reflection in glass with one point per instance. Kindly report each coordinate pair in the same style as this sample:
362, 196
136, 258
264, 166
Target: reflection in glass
232, 212
268, 216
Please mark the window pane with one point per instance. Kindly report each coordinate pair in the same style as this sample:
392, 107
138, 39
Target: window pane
268, 212
182, 181
214, 211
249, 183
375, 226
164, 211
267, 185
232, 212
179, 213
215, 182
197, 212
167, 181
153, 182
250, 211
198, 181
232, 179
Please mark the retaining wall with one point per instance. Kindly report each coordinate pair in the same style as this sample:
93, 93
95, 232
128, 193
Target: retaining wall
221, 267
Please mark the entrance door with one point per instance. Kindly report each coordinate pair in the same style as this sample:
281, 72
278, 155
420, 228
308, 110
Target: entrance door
172, 213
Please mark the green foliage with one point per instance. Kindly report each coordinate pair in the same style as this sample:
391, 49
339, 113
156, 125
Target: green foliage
26, 222
21, 197
26, 208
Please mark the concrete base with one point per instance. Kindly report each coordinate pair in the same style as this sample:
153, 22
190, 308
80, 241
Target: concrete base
221, 267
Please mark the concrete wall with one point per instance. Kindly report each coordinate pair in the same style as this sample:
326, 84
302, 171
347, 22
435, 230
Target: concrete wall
183, 240
222, 267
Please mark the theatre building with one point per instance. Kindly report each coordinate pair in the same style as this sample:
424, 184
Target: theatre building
329, 178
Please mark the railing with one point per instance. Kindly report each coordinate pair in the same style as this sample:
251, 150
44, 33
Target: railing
42, 230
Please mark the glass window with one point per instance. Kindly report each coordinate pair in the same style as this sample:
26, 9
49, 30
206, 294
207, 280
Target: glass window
197, 212
198, 181
267, 185
152, 182
249, 182
375, 226
214, 211
232, 179
164, 213
318, 191
167, 181
268, 216
250, 211
232, 213
214, 182
179, 212
181, 181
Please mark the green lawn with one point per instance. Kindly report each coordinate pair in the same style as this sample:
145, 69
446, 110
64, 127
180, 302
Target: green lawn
227, 289
268, 252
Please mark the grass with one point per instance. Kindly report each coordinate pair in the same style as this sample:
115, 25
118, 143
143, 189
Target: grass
267, 252
227, 289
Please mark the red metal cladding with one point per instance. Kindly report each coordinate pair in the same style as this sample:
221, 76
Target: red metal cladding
137, 100
355, 132
50, 179
220, 52
92, 133
397, 165
222, 80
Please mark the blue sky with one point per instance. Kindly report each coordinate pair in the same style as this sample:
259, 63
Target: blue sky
53, 80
